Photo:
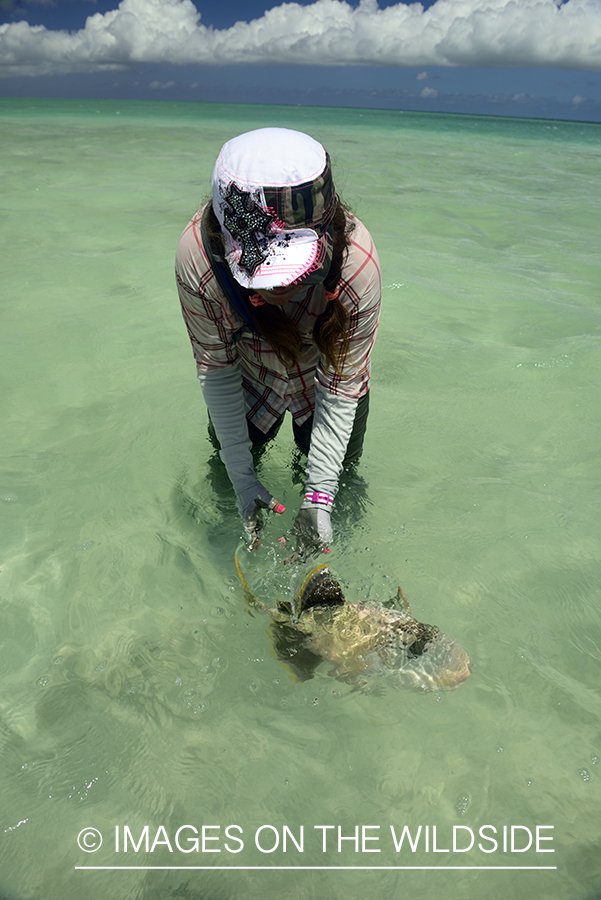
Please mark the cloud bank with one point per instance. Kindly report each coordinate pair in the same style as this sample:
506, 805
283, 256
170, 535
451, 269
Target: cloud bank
502, 33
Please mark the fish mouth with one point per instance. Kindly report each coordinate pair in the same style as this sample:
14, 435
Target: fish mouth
443, 666
454, 678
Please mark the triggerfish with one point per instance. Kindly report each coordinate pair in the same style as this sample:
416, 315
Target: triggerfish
359, 640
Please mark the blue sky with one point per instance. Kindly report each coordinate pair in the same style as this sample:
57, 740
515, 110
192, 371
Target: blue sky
499, 57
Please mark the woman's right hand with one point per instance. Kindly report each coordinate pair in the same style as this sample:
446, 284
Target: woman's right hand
250, 500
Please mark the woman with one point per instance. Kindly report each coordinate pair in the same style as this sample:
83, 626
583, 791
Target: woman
280, 291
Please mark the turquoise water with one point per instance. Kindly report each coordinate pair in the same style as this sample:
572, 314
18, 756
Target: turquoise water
135, 689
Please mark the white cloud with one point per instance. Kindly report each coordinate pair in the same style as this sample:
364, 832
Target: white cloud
421, 76
428, 93
328, 32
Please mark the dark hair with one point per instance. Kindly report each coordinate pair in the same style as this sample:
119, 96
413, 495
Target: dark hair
330, 331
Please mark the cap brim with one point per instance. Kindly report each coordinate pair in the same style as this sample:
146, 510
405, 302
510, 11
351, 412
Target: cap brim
291, 257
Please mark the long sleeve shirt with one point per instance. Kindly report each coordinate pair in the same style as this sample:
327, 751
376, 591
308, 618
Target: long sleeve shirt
220, 337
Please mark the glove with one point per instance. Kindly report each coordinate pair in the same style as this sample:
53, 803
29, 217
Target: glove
222, 391
332, 427
261, 499
313, 530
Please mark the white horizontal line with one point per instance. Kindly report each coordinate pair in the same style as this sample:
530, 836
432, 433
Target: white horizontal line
321, 868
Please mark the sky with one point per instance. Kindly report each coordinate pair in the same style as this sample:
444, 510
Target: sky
536, 58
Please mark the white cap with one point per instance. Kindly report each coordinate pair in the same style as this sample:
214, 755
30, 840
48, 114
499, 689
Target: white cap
274, 198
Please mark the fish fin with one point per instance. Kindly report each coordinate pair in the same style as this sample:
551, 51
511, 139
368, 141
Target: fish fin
290, 649
401, 596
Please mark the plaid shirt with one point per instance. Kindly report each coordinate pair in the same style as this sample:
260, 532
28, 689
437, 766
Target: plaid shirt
220, 337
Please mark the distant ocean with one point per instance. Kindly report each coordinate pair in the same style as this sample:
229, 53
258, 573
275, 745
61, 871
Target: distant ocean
138, 696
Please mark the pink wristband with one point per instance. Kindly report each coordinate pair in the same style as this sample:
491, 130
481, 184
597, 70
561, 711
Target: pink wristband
318, 497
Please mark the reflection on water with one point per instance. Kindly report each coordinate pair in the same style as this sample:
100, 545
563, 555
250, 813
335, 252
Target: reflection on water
136, 686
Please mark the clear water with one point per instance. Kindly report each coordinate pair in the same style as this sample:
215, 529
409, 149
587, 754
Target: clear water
135, 689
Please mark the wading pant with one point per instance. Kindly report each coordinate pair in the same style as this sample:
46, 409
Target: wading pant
302, 433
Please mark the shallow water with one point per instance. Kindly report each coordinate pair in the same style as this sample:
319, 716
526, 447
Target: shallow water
135, 689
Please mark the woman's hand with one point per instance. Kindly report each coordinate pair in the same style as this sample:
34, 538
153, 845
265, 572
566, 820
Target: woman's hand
250, 501
313, 530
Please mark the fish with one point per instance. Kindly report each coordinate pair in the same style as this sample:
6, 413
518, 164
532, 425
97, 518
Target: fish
359, 640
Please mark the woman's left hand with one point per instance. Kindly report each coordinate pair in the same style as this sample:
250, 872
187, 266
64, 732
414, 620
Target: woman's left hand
313, 530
